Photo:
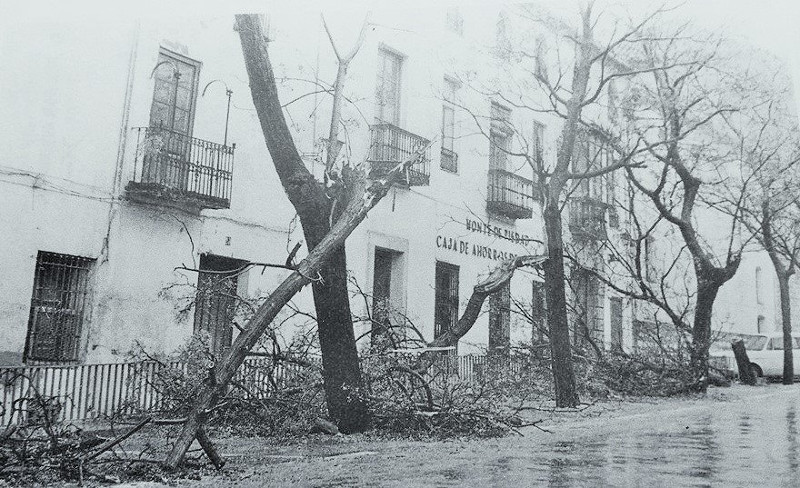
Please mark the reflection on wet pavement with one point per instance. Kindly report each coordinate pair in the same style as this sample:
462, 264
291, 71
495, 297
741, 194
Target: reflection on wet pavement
725, 444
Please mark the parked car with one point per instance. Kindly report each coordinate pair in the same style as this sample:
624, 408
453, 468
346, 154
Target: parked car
764, 351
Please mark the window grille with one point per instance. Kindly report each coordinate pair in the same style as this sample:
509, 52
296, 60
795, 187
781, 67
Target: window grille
215, 304
589, 308
538, 313
446, 308
60, 288
500, 321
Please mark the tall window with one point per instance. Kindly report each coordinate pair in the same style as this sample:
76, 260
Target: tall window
60, 288
761, 324
615, 304
455, 21
499, 137
175, 92
500, 322
538, 142
381, 292
502, 41
541, 67
388, 88
759, 294
449, 158
538, 313
589, 308
446, 300
215, 304
592, 154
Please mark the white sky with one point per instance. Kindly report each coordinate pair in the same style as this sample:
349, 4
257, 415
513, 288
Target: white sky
770, 24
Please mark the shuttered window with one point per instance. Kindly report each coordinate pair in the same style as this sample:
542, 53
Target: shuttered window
60, 288
174, 92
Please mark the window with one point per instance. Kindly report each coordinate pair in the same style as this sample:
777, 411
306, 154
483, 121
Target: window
446, 299
388, 89
455, 21
648, 268
616, 322
499, 137
215, 304
538, 143
592, 154
759, 297
381, 292
538, 314
449, 158
613, 101
502, 41
174, 93
541, 67
60, 288
500, 321
589, 309
760, 324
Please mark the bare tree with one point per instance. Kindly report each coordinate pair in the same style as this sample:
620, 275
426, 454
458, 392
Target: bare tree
319, 206
323, 267
573, 95
764, 192
680, 112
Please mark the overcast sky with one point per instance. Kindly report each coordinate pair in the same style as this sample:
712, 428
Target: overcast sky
771, 24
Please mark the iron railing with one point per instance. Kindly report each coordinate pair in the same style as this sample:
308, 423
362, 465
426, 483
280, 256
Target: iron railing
391, 145
449, 160
173, 165
89, 391
587, 218
509, 194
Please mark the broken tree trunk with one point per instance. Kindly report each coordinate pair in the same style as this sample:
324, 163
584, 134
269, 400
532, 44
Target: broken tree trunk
306, 272
498, 278
746, 374
318, 208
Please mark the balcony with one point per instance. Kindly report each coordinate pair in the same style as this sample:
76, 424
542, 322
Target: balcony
587, 218
176, 170
509, 195
391, 145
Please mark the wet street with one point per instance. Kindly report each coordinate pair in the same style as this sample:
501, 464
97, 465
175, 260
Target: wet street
749, 439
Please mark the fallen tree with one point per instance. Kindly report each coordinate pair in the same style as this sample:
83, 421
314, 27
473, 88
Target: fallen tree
306, 272
496, 280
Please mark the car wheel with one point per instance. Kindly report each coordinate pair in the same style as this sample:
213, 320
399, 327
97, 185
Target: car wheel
756, 370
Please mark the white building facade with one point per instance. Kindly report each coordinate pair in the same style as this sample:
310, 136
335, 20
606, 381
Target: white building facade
136, 173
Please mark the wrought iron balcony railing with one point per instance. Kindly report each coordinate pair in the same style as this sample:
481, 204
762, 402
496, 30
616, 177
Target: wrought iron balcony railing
391, 145
509, 194
171, 167
587, 218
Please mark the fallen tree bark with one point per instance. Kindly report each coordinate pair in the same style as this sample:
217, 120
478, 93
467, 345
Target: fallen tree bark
305, 273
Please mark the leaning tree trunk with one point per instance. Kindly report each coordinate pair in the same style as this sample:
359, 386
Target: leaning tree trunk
316, 211
493, 283
555, 292
786, 319
309, 270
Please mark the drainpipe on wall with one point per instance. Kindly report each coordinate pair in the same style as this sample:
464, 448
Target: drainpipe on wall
123, 139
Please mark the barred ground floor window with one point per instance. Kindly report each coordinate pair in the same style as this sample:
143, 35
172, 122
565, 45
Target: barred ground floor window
58, 303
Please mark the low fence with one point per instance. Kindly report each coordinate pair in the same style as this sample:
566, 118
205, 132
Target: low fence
90, 391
